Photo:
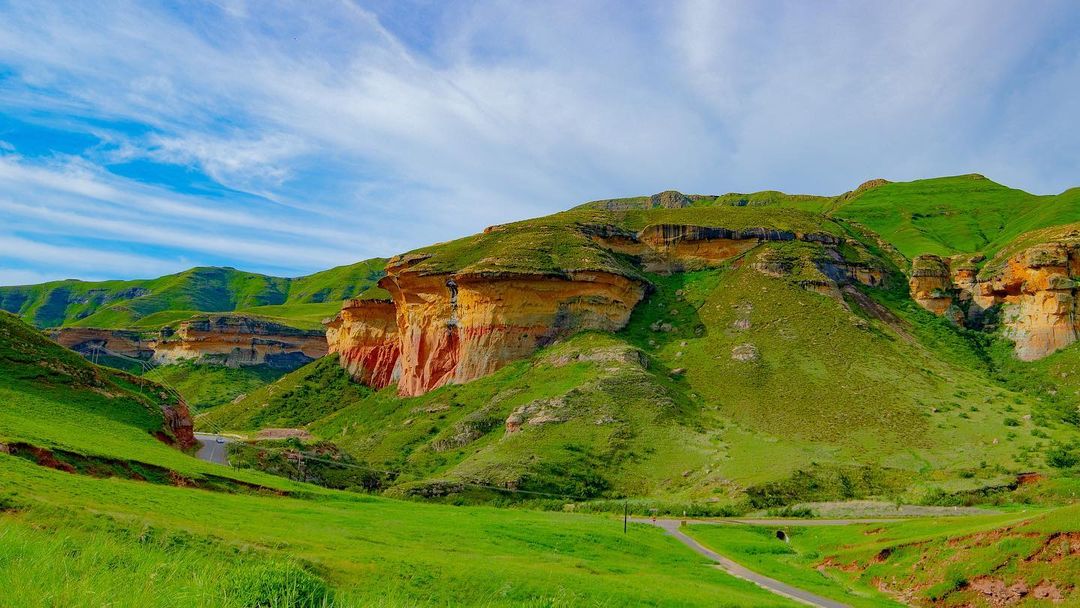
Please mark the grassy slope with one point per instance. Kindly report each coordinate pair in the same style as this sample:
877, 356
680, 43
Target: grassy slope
74, 540
373, 552
150, 304
208, 386
922, 561
949, 215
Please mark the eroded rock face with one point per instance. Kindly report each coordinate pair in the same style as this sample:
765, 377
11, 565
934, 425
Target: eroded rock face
456, 328
1036, 290
931, 283
88, 341
236, 341
677, 247
453, 327
365, 336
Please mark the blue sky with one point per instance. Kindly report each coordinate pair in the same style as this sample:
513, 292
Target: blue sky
138, 139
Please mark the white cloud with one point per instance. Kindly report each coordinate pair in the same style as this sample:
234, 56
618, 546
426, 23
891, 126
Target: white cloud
368, 146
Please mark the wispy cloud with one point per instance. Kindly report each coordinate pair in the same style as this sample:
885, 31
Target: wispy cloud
331, 131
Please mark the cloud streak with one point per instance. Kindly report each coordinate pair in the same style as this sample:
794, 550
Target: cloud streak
335, 131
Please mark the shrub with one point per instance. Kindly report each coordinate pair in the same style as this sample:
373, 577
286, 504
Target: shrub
1062, 458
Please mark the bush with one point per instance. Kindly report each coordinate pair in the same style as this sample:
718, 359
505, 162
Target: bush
1062, 458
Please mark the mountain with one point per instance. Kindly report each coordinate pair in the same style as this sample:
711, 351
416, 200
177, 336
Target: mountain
964, 214
723, 349
154, 303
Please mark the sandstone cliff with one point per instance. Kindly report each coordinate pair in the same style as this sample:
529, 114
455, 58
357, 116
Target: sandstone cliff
458, 327
466, 308
1033, 293
238, 340
365, 336
227, 340
88, 341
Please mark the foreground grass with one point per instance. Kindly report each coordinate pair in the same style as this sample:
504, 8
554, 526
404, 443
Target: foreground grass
113, 535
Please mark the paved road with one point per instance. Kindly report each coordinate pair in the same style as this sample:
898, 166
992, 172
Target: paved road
671, 526
212, 451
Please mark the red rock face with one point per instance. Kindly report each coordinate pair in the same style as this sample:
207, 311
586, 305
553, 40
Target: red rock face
365, 336
456, 328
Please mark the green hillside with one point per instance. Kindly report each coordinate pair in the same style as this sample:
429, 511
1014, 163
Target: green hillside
640, 413
949, 215
112, 514
564, 242
154, 303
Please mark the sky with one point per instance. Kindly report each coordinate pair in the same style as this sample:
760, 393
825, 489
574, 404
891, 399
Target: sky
140, 139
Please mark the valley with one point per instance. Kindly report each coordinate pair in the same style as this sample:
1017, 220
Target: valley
464, 411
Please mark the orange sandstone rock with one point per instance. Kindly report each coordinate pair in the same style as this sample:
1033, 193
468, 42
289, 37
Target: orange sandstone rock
455, 328
1036, 289
236, 340
365, 336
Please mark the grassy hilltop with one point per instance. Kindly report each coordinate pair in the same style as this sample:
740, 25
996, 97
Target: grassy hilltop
154, 303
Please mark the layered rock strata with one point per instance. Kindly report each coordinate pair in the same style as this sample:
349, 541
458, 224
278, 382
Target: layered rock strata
227, 340
1035, 289
237, 341
365, 337
457, 327
90, 342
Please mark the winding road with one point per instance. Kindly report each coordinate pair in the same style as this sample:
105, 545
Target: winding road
212, 448
672, 527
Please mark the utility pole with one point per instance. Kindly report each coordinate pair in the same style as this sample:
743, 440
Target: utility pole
625, 513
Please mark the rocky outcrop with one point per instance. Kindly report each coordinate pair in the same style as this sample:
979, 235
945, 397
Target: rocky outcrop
179, 424
1036, 291
236, 341
931, 283
678, 247
460, 317
230, 340
103, 342
365, 337
457, 327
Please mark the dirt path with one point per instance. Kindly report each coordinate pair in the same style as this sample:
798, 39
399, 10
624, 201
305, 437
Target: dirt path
671, 526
